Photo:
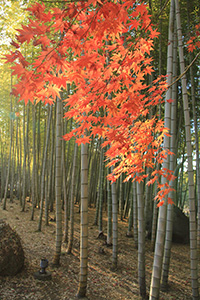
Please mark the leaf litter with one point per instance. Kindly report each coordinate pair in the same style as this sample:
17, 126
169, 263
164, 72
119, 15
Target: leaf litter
103, 283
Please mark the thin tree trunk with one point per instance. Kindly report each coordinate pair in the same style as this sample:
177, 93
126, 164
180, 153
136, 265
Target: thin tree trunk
7, 177
44, 169
84, 223
58, 183
109, 208
154, 222
10, 151
97, 203
94, 171
101, 177
115, 225
135, 215
51, 184
71, 224
20, 168
148, 206
170, 209
47, 175
26, 149
130, 217
197, 149
38, 147
121, 197
141, 240
24, 161
12, 171
2, 165
193, 227
66, 203
161, 227
197, 153
34, 164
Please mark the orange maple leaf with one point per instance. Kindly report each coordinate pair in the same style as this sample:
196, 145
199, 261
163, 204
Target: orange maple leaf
170, 201
160, 203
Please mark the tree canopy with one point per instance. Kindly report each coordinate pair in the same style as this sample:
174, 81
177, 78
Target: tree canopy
104, 50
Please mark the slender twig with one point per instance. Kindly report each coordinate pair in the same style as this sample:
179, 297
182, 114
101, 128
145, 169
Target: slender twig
186, 69
162, 9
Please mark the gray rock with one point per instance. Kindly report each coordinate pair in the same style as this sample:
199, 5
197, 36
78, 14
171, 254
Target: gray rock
180, 232
11, 251
180, 227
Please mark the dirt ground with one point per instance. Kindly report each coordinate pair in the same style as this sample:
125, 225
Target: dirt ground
102, 282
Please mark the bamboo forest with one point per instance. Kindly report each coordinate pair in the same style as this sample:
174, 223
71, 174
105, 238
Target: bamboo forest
99, 149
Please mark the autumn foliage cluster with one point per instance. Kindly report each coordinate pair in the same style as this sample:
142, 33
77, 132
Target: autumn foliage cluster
102, 49
194, 41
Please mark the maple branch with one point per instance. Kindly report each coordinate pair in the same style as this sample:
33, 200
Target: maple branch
162, 9
186, 69
59, 42
72, 22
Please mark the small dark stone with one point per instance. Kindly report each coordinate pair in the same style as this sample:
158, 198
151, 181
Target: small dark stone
11, 251
102, 236
129, 235
101, 250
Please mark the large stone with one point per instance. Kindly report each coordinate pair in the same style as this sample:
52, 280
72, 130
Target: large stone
180, 227
11, 251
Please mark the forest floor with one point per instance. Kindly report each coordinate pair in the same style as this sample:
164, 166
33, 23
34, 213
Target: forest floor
103, 284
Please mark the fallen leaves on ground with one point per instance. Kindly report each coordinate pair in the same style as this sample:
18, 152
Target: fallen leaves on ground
103, 284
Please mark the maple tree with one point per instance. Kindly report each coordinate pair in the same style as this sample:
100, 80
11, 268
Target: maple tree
103, 49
